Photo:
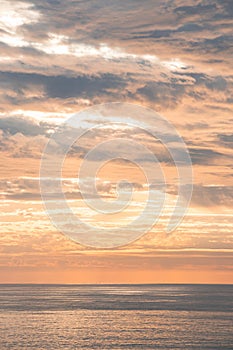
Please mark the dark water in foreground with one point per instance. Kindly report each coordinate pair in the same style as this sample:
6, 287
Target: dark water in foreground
116, 317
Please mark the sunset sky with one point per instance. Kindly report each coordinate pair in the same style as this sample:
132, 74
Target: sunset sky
59, 57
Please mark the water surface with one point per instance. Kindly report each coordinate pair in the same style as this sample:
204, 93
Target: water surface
116, 317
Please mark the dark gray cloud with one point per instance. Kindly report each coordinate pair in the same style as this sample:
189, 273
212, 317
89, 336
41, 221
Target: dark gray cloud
216, 83
165, 92
226, 9
25, 126
83, 86
194, 126
93, 22
226, 140
212, 196
22, 137
196, 9
205, 156
62, 86
216, 45
167, 33
167, 95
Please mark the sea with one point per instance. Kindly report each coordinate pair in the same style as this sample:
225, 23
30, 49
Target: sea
116, 317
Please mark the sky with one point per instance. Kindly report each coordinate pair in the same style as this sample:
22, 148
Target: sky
60, 57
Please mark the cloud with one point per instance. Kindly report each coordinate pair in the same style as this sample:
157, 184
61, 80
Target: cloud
194, 126
64, 86
195, 9
205, 156
167, 95
21, 146
57, 57
83, 86
28, 188
213, 196
25, 126
226, 140
101, 60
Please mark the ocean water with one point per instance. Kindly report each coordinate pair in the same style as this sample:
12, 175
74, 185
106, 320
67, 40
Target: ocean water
116, 317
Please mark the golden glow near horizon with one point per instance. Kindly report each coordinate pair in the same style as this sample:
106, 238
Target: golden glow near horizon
56, 62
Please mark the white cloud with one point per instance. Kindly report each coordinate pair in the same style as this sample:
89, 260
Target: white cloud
61, 45
15, 14
12, 16
174, 64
